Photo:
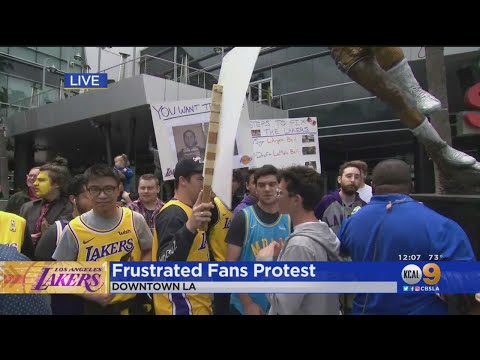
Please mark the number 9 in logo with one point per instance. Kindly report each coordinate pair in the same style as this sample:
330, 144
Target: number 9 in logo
431, 273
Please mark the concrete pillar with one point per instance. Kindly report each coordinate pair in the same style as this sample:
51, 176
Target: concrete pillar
23, 158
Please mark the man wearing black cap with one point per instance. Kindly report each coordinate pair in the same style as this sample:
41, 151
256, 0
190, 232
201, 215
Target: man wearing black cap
177, 237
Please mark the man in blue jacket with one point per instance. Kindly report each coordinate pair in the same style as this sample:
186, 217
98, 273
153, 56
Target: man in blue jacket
21, 304
394, 224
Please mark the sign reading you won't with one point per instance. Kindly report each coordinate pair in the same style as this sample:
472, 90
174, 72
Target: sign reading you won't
181, 130
286, 142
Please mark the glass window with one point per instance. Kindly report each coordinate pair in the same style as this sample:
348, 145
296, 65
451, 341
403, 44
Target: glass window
266, 92
54, 51
42, 57
254, 95
3, 110
23, 53
18, 89
75, 68
66, 52
3, 88
261, 91
63, 66
50, 95
72, 68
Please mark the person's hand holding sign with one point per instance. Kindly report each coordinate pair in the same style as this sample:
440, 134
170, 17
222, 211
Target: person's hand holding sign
201, 214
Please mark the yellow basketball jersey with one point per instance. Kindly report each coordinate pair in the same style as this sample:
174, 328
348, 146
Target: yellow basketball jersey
12, 228
218, 231
117, 244
184, 304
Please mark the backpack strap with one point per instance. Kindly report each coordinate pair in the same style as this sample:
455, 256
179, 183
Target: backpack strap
60, 225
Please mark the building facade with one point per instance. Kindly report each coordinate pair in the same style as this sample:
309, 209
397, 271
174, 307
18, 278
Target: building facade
353, 124
26, 72
301, 81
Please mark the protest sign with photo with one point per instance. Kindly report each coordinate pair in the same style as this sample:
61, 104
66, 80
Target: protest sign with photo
285, 142
181, 130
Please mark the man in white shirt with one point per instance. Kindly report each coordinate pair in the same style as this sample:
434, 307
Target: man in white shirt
364, 190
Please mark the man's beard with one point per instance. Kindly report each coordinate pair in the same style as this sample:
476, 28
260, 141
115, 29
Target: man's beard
349, 189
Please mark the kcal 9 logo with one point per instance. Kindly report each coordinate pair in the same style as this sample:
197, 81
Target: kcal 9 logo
412, 274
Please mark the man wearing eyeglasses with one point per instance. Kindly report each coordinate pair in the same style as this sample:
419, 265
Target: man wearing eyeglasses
107, 233
300, 189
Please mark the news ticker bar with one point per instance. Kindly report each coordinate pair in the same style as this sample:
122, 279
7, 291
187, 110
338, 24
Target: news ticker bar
211, 277
203, 287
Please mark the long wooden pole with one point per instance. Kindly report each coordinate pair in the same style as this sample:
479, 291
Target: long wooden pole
211, 148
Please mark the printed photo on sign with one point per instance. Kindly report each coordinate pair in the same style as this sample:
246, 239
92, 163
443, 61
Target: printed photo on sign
190, 141
310, 150
286, 142
308, 138
181, 130
256, 133
311, 164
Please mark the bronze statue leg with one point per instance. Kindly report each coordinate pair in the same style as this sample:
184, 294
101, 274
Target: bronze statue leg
392, 60
363, 68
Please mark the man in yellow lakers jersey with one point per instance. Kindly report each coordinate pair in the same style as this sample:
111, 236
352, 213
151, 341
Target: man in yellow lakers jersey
106, 233
217, 230
14, 233
177, 237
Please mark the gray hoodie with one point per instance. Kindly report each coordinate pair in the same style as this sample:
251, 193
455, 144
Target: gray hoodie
312, 241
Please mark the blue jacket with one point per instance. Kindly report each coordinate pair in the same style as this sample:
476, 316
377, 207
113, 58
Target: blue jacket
127, 184
376, 233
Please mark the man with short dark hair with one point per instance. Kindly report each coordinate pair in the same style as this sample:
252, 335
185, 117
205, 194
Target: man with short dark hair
191, 149
51, 188
107, 233
337, 206
300, 189
394, 224
148, 203
254, 228
178, 237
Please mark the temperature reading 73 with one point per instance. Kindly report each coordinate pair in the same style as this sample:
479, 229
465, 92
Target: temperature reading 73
435, 257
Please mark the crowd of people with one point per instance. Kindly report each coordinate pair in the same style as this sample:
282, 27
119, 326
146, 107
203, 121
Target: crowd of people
283, 216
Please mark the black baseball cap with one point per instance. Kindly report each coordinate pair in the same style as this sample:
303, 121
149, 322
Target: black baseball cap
187, 167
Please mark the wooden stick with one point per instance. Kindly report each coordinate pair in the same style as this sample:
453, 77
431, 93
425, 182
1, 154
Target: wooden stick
211, 148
